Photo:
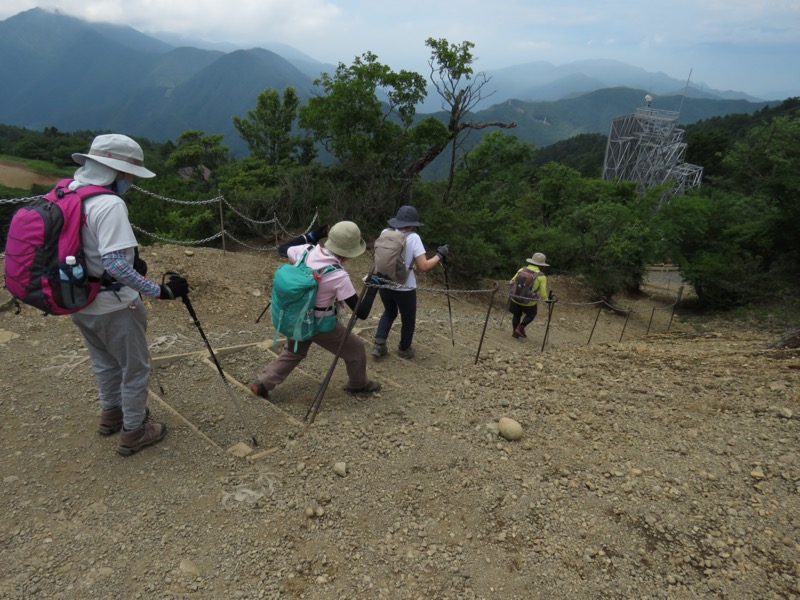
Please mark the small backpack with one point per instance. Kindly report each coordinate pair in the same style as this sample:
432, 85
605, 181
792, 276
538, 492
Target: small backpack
41, 236
520, 289
294, 294
389, 256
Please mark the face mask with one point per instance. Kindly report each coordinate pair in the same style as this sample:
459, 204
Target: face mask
122, 185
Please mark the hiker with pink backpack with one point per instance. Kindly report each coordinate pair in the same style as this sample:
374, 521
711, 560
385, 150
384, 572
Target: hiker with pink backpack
74, 252
526, 288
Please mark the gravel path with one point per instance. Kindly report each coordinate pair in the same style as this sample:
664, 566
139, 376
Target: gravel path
662, 466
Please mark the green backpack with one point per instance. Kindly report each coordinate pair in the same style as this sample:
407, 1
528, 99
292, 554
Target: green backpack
294, 293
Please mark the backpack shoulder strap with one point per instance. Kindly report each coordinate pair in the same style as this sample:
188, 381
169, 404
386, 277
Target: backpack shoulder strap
86, 191
301, 260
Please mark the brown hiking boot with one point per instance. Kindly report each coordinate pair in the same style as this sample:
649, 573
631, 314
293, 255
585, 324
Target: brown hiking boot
148, 434
110, 421
257, 388
372, 386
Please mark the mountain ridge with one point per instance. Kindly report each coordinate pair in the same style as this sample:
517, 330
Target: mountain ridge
154, 89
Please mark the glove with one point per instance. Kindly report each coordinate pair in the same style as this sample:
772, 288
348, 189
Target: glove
442, 251
316, 234
176, 287
372, 280
140, 266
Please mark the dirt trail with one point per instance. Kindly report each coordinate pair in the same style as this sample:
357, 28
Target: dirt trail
662, 466
17, 175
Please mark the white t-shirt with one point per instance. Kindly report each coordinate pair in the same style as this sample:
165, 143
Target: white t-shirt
107, 229
414, 248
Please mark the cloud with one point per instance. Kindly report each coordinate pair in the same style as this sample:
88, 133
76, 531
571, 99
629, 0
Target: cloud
655, 35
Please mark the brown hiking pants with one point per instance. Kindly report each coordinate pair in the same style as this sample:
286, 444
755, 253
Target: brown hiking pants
353, 354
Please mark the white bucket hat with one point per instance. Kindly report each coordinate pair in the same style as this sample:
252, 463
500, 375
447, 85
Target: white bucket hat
344, 239
538, 259
117, 151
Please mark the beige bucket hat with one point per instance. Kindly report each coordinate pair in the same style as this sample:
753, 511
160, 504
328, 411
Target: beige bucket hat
344, 239
538, 259
117, 151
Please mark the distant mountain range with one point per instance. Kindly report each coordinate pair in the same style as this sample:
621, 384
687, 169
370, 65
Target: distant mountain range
71, 74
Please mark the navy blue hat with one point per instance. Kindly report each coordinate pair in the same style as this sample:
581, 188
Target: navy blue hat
406, 217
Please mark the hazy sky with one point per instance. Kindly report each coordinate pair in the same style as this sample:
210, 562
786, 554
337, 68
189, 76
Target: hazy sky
744, 45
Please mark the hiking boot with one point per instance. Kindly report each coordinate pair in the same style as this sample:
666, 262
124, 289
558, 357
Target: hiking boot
110, 421
407, 353
520, 331
372, 386
515, 334
257, 388
147, 434
379, 349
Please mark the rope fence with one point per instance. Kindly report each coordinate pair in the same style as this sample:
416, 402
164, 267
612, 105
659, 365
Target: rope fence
492, 292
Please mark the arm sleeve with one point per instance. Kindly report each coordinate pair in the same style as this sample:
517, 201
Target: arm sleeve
295, 241
118, 267
541, 282
366, 304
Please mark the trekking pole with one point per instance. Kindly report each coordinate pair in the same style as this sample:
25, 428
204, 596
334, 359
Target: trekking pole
188, 304
315, 405
549, 316
263, 311
449, 308
488, 312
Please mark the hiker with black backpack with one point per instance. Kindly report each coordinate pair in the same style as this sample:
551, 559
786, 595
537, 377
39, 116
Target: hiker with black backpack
527, 286
318, 323
401, 245
114, 324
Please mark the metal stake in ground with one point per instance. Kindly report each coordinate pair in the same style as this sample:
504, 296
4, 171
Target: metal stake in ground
188, 304
486, 322
449, 308
550, 303
314, 407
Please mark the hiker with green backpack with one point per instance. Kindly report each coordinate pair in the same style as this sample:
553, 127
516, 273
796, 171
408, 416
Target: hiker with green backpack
306, 299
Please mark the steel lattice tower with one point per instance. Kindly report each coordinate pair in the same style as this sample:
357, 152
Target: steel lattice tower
647, 147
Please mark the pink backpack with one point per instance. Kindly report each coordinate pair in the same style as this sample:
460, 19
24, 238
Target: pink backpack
40, 237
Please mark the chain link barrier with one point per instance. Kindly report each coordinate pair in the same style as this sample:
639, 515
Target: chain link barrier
602, 303
221, 234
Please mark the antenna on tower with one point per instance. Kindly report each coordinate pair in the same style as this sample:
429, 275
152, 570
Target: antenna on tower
685, 89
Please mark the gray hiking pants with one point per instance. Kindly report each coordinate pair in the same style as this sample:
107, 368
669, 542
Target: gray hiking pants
120, 358
353, 354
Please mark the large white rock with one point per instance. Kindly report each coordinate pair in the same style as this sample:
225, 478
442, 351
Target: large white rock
510, 429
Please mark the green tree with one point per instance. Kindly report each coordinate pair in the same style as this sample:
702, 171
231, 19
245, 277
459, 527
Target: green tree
268, 129
461, 90
375, 141
766, 165
198, 156
717, 239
